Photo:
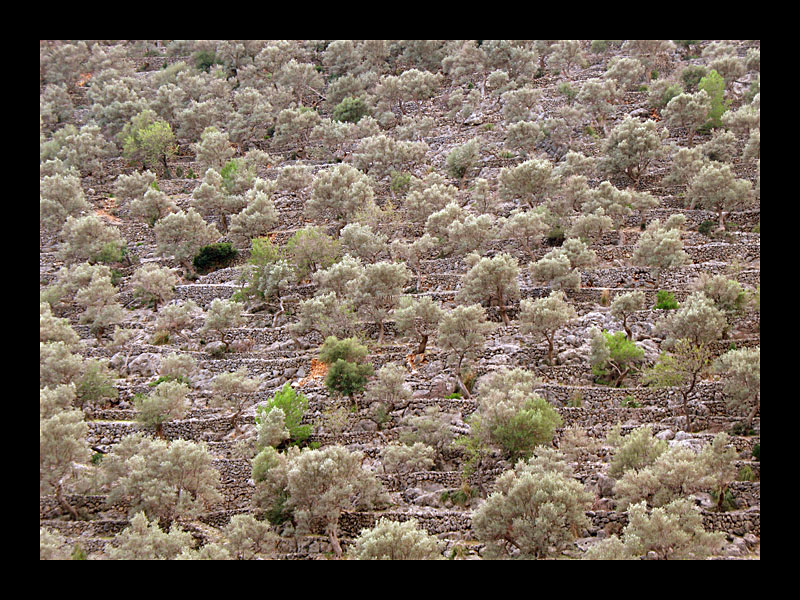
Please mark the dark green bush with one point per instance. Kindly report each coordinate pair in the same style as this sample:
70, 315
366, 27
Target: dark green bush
666, 300
350, 110
757, 452
706, 227
214, 256
205, 59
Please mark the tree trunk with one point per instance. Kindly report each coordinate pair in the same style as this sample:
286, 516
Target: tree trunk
167, 174
63, 502
458, 379
337, 548
423, 343
549, 349
752, 414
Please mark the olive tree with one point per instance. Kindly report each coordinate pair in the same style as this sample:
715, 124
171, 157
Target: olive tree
377, 290
417, 317
717, 188
624, 305
90, 239
339, 194
660, 246
155, 283
323, 483
234, 392
461, 334
491, 280
697, 320
689, 112
221, 316
167, 402
545, 316
741, 375
529, 182
60, 196
163, 479
182, 234
631, 147
536, 511
392, 540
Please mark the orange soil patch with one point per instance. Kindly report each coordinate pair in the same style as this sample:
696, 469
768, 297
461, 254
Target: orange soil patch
318, 370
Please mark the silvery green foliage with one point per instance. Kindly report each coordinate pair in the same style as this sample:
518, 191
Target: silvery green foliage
198, 115
182, 234
627, 72
637, 450
752, 152
176, 316
151, 475
462, 105
253, 117
678, 472
493, 281
462, 334
167, 402
293, 128
63, 449
566, 54
688, 112
697, 320
745, 118
521, 104
652, 53
233, 392
525, 135
402, 458
545, 316
221, 316
211, 199
686, 163
717, 188
390, 540
114, 102
617, 203
302, 79
323, 483
55, 106
62, 63
418, 318
133, 186
673, 532
722, 147
271, 428
377, 290
247, 538
412, 253
339, 193
427, 197
53, 545
591, 226
89, 239
528, 182
60, 196
155, 283
660, 246
257, 219
741, 376
631, 147
728, 295
598, 97
534, 512
387, 387
457, 231
467, 64
526, 227
337, 277
54, 329
624, 305
178, 365
145, 540
99, 301
213, 150
379, 155
559, 267
463, 158
361, 242
431, 428
82, 149
731, 68
325, 314
294, 179
57, 364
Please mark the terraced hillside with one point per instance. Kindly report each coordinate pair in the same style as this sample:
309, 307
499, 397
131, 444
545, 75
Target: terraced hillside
629, 195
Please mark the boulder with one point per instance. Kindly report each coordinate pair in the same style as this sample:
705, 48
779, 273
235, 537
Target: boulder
146, 364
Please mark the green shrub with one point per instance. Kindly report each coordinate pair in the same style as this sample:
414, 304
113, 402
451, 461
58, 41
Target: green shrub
692, 75
214, 256
714, 85
757, 452
350, 110
706, 227
400, 182
452, 396
630, 402
160, 338
205, 59
294, 405
746, 474
665, 300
